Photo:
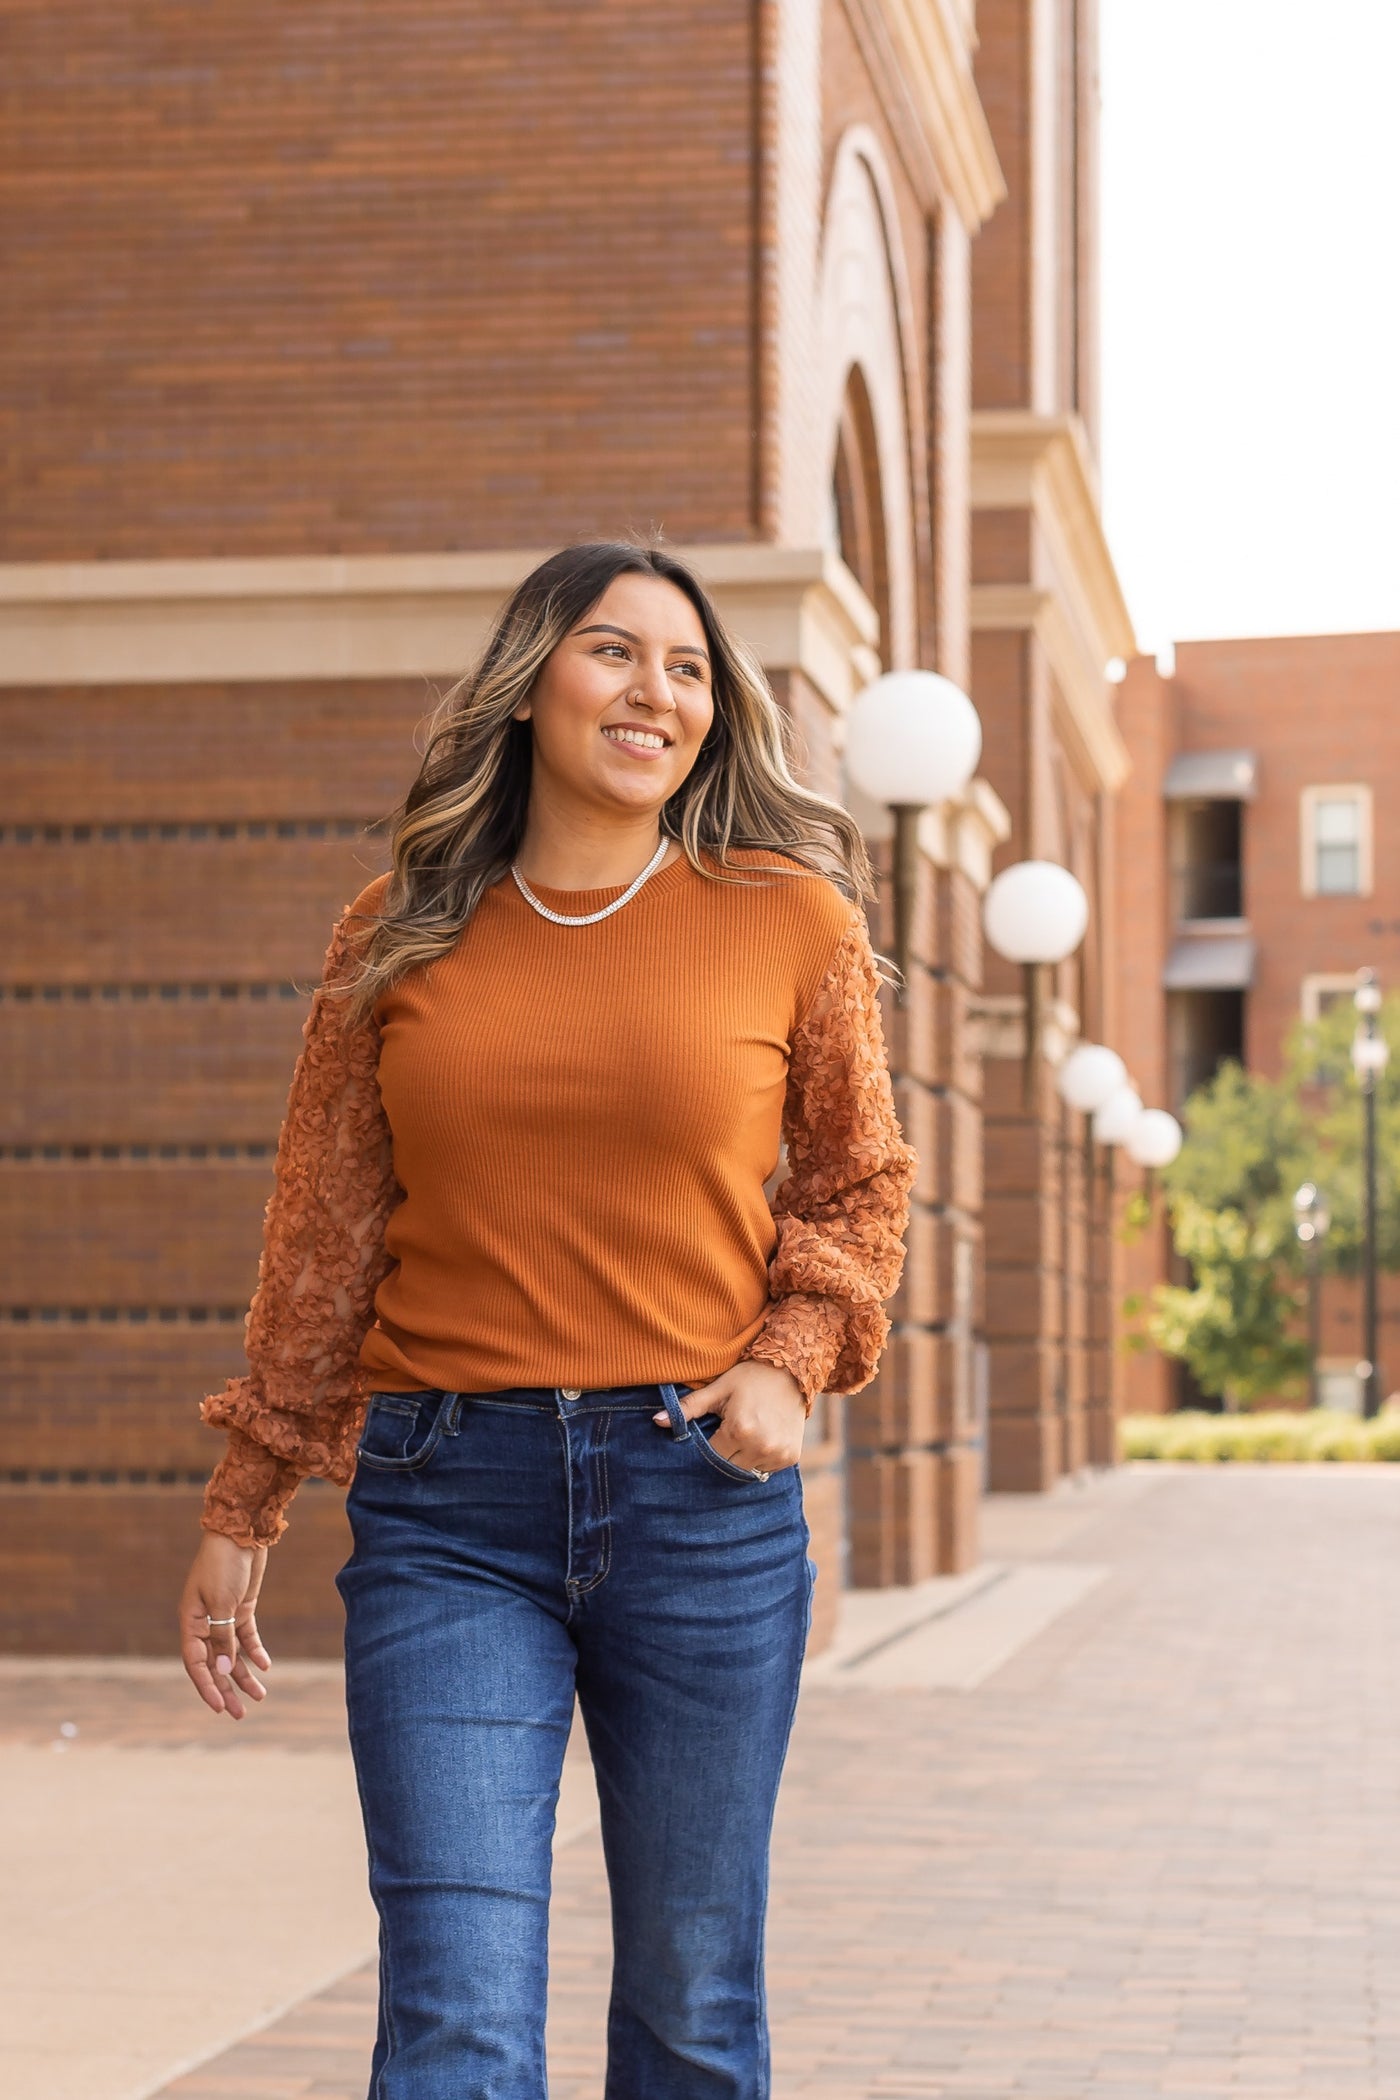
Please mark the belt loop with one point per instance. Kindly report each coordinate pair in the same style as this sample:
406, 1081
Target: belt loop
454, 1413
680, 1428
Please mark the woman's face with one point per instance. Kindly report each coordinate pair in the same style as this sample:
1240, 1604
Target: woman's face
621, 708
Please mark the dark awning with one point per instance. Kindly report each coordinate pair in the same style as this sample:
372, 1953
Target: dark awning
1220, 963
1211, 776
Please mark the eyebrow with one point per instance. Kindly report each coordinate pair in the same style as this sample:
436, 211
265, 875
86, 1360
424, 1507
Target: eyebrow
690, 648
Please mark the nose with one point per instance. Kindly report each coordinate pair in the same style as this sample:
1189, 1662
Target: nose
651, 688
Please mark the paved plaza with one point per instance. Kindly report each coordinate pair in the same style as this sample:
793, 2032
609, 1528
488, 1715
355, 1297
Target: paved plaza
1118, 1816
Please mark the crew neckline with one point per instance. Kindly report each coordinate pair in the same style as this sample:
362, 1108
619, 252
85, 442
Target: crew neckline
581, 902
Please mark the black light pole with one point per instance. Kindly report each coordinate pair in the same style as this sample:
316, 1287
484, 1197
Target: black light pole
1311, 1219
1369, 1056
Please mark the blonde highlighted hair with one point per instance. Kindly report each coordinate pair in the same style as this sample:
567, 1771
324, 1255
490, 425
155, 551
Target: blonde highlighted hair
462, 821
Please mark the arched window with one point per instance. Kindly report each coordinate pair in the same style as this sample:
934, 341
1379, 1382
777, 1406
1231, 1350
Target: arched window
857, 502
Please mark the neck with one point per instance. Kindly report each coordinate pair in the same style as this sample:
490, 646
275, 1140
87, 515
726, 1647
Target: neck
563, 853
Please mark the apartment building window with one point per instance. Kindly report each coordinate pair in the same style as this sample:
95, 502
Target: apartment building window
1336, 841
1328, 988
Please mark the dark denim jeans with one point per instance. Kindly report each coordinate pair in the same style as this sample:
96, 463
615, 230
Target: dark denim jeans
511, 1548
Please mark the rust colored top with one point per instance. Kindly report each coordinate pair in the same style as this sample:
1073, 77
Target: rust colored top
542, 1160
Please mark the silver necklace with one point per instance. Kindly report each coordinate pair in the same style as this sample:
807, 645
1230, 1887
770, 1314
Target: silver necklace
564, 918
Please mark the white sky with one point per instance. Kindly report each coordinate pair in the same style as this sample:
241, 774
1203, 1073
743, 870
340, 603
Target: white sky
1251, 314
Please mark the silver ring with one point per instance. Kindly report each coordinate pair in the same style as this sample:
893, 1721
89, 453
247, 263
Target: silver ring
761, 1476
223, 1622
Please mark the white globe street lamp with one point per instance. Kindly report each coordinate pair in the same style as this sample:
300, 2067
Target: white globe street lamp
1034, 912
913, 740
1154, 1139
1116, 1118
1089, 1075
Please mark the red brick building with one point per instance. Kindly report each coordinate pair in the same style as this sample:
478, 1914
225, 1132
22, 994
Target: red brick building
1256, 877
326, 322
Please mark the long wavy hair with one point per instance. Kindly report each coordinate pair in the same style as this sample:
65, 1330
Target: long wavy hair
462, 821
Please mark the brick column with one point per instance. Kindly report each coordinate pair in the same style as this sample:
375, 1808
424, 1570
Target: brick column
913, 1461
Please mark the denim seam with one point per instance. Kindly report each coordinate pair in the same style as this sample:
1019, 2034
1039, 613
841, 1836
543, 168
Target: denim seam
600, 1475
569, 1591
721, 1464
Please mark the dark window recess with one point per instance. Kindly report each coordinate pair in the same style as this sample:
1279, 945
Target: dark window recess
1203, 1030
1208, 881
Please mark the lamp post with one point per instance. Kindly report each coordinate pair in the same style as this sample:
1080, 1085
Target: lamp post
1034, 912
1311, 1219
1085, 1080
913, 740
1370, 1054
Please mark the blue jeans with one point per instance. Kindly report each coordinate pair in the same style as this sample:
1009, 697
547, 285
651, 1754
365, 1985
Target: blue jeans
510, 1549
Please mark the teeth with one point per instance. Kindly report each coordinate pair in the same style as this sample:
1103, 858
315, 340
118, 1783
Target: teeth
644, 737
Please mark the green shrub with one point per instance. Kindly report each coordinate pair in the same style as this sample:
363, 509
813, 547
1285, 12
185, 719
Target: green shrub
1275, 1438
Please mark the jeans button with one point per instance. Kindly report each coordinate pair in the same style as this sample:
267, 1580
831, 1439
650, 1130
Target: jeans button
571, 1392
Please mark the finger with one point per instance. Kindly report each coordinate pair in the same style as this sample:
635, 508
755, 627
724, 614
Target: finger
701, 1400
195, 1651
243, 1677
220, 1647
197, 1670
250, 1640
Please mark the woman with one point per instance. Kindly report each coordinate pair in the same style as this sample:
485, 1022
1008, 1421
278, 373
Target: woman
523, 1293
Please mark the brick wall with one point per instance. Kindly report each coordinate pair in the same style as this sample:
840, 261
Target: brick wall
1316, 710
338, 278
1319, 710
1139, 1033
173, 860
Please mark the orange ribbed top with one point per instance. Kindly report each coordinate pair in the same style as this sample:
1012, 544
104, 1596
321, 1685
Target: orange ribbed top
542, 1161
583, 1121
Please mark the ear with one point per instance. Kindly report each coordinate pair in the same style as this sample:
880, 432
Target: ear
521, 713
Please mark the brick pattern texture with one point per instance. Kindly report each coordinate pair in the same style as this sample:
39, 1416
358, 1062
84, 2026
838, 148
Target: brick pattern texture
446, 277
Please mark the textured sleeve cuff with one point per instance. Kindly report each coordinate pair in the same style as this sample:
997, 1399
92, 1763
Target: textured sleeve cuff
803, 1335
248, 1492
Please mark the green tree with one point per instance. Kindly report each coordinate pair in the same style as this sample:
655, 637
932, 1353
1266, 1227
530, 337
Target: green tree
1249, 1142
1235, 1325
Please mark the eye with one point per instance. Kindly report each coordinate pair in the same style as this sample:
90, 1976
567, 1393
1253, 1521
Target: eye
695, 670
619, 648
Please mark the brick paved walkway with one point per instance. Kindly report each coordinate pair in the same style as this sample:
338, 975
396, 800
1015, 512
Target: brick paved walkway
1157, 1852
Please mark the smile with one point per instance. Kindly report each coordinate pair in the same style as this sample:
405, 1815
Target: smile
638, 739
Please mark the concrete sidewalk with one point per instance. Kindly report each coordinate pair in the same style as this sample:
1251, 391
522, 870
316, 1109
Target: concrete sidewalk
1116, 1817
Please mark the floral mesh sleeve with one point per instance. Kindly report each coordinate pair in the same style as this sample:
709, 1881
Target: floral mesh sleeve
298, 1408
842, 1211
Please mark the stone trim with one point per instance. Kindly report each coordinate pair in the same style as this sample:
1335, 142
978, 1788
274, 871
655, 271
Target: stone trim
920, 57
1084, 714
382, 616
1021, 460
965, 834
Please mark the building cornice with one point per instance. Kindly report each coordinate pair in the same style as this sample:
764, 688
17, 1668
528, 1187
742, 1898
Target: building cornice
382, 616
920, 57
1043, 463
1024, 461
1084, 717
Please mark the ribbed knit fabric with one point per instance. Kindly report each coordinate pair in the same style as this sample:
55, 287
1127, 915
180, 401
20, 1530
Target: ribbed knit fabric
583, 1119
541, 1162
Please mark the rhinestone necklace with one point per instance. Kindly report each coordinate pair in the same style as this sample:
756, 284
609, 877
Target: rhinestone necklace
563, 918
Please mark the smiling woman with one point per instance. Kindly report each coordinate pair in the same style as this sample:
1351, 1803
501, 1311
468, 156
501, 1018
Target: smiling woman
523, 1294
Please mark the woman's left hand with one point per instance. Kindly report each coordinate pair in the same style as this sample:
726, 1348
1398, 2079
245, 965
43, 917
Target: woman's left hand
764, 1415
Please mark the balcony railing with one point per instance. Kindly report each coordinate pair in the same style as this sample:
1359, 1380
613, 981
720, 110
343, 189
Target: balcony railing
1209, 889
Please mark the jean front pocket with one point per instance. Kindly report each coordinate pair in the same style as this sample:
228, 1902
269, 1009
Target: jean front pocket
702, 1428
401, 1430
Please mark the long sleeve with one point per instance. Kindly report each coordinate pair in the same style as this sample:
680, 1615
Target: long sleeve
296, 1409
843, 1208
